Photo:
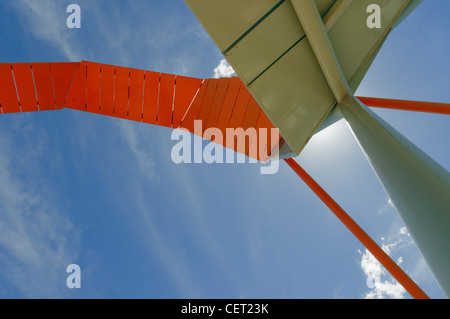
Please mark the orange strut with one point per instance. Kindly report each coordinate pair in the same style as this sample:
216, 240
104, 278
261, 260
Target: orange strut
428, 107
410, 286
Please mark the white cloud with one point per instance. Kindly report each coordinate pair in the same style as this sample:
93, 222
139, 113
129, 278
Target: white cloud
404, 231
400, 246
378, 279
381, 283
223, 70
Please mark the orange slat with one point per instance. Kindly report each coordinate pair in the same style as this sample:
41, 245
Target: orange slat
207, 101
266, 142
8, 94
25, 86
216, 108
228, 104
63, 75
250, 120
227, 107
252, 114
93, 87
151, 93
237, 117
217, 103
121, 92
192, 113
107, 73
44, 86
185, 90
77, 95
136, 94
165, 105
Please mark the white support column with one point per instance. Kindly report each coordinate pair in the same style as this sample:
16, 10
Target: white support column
418, 186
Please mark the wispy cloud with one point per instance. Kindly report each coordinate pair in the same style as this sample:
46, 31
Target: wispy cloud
171, 257
37, 239
388, 207
129, 43
143, 157
124, 41
46, 20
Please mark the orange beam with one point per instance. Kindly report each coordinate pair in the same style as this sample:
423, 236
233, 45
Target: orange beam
410, 286
133, 94
428, 107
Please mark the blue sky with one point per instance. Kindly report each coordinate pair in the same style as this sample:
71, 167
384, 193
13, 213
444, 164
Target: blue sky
104, 193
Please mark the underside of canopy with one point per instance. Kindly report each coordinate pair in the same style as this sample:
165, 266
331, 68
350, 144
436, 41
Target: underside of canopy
263, 40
